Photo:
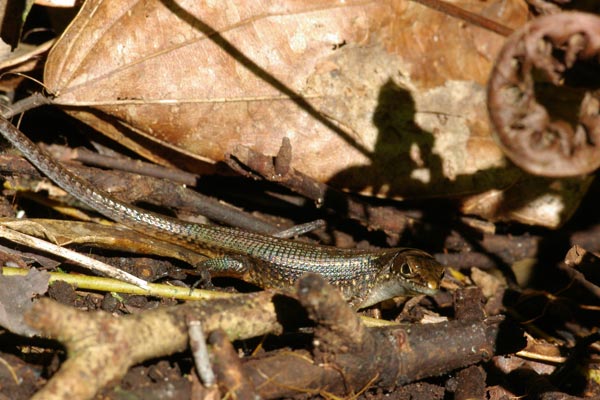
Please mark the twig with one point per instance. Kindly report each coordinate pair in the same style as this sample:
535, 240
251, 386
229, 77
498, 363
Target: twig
348, 357
300, 229
228, 367
28, 103
123, 163
200, 352
70, 255
112, 285
102, 347
464, 15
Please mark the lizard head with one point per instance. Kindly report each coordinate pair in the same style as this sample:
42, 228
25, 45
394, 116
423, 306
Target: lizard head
407, 272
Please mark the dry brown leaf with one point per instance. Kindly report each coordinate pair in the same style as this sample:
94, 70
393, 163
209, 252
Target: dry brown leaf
146, 65
531, 200
489, 284
68, 233
383, 98
16, 294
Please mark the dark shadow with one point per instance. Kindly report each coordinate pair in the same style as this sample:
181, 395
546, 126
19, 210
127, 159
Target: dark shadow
422, 172
11, 24
391, 160
404, 165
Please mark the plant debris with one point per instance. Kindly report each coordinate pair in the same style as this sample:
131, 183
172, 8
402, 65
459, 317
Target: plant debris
564, 48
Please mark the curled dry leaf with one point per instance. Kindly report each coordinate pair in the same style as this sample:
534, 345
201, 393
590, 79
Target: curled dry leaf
380, 98
561, 136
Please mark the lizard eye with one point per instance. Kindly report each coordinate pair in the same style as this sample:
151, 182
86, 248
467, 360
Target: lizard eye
406, 270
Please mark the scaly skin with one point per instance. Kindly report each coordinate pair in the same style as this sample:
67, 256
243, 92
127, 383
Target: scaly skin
365, 277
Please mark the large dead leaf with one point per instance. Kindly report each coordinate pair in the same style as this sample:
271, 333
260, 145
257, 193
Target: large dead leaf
162, 69
379, 97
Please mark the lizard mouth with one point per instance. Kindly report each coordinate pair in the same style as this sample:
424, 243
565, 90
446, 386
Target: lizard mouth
390, 289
